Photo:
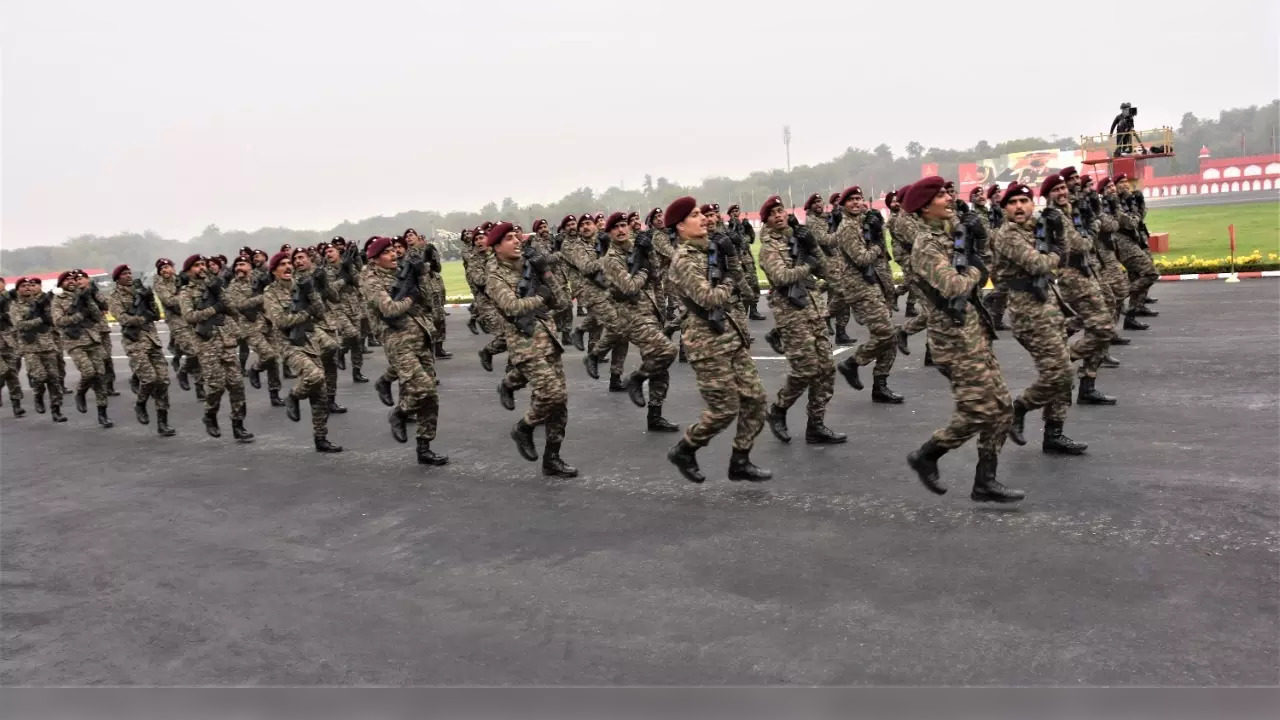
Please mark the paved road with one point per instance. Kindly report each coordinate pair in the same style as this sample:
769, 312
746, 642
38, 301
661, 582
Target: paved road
133, 560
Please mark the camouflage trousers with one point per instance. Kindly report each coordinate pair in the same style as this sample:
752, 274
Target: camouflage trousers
10, 362
837, 292
437, 315
108, 367
751, 279
186, 340
983, 405
997, 302
89, 361
220, 371
347, 331
644, 330
731, 388
866, 301
268, 357
146, 362
1085, 296
1040, 329
61, 359
311, 386
43, 372
606, 330
564, 316
411, 355
549, 394
810, 363
1115, 282
1142, 272
913, 325
492, 321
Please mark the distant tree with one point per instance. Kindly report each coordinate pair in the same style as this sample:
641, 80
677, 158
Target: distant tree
647, 186
914, 149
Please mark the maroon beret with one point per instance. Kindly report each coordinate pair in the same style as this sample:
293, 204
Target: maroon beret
566, 220
286, 247
599, 217
1068, 171
848, 192
484, 226
261, 252
161, 262
339, 240
648, 219
731, 209
1086, 179
540, 222
678, 210
1119, 177
614, 221
949, 186
921, 193
633, 215
889, 197
585, 218
115, 274
709, 208
812, 199
186, 264
497, 232
299, 251
242, 258
768, 206
1015, 190
993, 191
1103, 183
1049, 184
246, 250
834, 197
65, 276
221, 259
277, 259
376, 246
975, 191
399, 240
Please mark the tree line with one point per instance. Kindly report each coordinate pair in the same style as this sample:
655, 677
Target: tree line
1251, 130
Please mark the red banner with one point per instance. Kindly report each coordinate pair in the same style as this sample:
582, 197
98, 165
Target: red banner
928, 169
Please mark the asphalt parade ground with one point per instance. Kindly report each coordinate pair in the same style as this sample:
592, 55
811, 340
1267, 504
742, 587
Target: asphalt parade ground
131, 559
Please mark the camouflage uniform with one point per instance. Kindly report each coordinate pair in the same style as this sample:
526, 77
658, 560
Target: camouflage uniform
635, 297
1038, 325
103, 329
1080, 291
83, 343
751, 278
305, 358
665, 244
181, 336
141, 343
996, 300
803, 330
253, 328
346, 312
217, 354
1111, 271
866, 299
405, 329
902, 232
725, 374
553, 246
10, 359
837, 271
477, 276
1136, 259
35, 343
434, 287
603, 315
331, 326
536, 358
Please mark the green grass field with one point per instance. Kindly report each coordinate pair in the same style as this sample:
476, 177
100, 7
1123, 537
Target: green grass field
1197, 230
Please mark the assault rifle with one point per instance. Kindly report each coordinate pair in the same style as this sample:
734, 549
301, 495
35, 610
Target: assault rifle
347, 269
717, 272
211, 298
638, 258
300, 301
408, 278
531, 285
1137, 206
41, 309
1082, 218
803, 249
602, 247
144, 306
1049, 237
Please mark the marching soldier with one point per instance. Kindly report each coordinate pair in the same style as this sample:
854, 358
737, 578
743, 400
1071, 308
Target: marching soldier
32, 315
478, 277
1034, 305
432, 285
76, 314
743, 230
866, 300
331, 322
586, 256
792, 262
404, 329
996, 300
342, 269
1111, 273
1133, 254
182, 341
947, 277
137, 317
305, 343
635, 285
244, 299
549, 246
204, 310
837, 269
717, 340
902, 235
10, 360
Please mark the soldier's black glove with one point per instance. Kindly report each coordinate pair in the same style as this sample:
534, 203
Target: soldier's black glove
974, 229
544, 292
725, 244
792, 222
813, 261
805, 238
962, 208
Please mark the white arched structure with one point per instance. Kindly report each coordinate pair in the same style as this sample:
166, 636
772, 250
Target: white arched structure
1266, 184
1211, 174
1273, 168
1231, 172
1252, 170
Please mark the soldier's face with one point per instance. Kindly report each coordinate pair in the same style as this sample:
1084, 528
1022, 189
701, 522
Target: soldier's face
733, 215
939, 208
509, 247
1122, 186
243, 268
387, 258
1058, 195
29, 290
333, 255
619, 232
587, 228
283, 271
694, 226
259, 258
198, 270
413, 239
215, 267
635, 225
166, 271
302, 261
1019, 208
657, 221
1073, 182
125, 278
777, 218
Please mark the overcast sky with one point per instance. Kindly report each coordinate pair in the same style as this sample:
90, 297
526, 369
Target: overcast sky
130, 115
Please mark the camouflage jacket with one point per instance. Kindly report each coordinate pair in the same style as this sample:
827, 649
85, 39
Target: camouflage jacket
78, 329
782, 271
853, 246
33, 335
504, 283
478, 270
120, 303
188, 298
1105, 226
636, 293
349, 302
167, 293
468, 253
580, 256
393, 320
277, 303
325, 294
246, 312
1014, 254
688, 279
931, 263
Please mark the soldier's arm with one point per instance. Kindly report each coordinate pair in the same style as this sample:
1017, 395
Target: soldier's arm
775, 268
583, 258
615, 271
818, 229
117, 308
64, 316
240, 298
1107, 223
187, 308
849, 236
476, 272
692, 283
508, 304
936, 269
281, 318
1007, 245
19, 317
1077, 242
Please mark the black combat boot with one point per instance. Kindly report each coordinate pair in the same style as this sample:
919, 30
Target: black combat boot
553, 466
1144, 311
373, 342
774, 338
881, 393
39, 401
239, 433
383, 388
1150, 301
275, 398
140, 412
1089, 394
634, 387
211, 425
616, 384
925, 462
817, 433
291, 408
184, 380
340, 358
682, 357
985, 486
741, 467
17, 407
324, 446
1132, 323
842, 337
911, 308
592, 364
566, 338
684, 456
576, 337
357, 376
777, 419
82, 402
441, 352
134, 384
849, 369
162, 424
657, 423
486, 359
1056, 443
427, 457
506, 395
522, 433
242, 354
901, 337
1118, 340
1017, 431
334, 407
928, 355
200, 389
1109, 362
398, 421
753, 312
471, 325
255, 376
55, 412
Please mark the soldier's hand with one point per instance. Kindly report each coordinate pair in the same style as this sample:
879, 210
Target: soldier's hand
544, 292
